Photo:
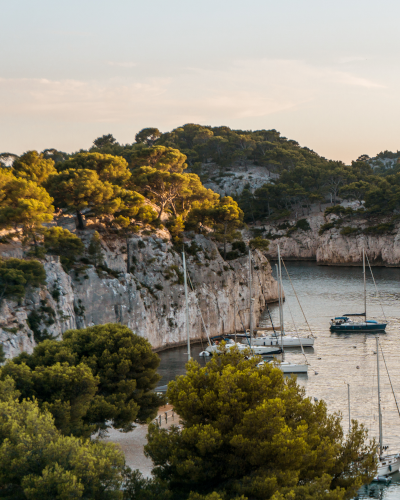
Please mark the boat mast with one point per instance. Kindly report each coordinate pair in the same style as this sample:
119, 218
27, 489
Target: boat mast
234, 315
348, 398
280, 287
379, 399
187, 305
365, 287
251, 299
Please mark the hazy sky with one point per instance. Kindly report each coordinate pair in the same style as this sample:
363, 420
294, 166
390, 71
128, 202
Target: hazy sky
325, 73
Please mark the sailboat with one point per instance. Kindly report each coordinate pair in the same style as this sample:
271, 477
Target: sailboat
285, 366
263, 350
387, 464
345, 324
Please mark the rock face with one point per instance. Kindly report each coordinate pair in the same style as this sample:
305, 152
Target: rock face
150, 299
334, 249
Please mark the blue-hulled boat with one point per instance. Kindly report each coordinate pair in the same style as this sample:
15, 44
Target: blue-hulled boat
344, 323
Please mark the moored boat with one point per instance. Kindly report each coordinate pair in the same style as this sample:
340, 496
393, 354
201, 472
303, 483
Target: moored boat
344, 323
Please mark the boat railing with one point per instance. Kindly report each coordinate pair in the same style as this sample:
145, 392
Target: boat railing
165, 417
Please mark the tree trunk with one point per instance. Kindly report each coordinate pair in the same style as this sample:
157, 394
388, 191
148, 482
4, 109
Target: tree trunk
81, 225
127, 255
225, 242
173, 208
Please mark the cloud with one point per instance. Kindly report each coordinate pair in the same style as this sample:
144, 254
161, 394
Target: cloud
244, 89
126, 64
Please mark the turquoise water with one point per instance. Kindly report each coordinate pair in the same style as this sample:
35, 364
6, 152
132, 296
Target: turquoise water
338, 359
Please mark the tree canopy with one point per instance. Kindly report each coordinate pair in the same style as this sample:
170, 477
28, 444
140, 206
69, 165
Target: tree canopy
33, 167
37, 462
117, 390
249, 431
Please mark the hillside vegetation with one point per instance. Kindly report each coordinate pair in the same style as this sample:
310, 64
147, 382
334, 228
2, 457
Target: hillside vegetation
158, 182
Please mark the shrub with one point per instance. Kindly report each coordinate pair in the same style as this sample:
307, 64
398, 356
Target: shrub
379, 229
300, 224
17, 274
58, 241
326, 227
259, 243
232, 255
240, 246
348, 231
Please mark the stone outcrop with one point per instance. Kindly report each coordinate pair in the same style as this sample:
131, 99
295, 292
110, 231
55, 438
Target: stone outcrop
149, 300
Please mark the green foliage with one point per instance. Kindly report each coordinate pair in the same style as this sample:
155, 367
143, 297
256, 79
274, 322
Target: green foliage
348, 231
300, 224
16, 275
137, 487
109, 168
2, 354
104, 141
326, 227
148, 136
24, 206
32, 166
259, 243
122, 363
44, 315
379, 228
228, 217
65, 391
95, 250
59, 241
240, 246
38, 463
249, 431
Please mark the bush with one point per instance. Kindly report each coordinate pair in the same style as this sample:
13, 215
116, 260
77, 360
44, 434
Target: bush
348, 231
259, 243
58, 241
240, 246
379, 229
326, 227
232, 255
300, 224
17, 274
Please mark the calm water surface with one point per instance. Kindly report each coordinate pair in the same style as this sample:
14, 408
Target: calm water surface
338, 359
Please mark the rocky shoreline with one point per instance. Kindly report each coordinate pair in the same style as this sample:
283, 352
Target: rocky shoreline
332, 248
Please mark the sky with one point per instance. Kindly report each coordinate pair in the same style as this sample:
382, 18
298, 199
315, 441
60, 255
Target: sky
325, 73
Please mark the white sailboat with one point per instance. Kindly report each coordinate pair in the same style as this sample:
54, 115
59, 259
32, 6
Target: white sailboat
229, 343
286, 366
285, 340
258, 350
387, 464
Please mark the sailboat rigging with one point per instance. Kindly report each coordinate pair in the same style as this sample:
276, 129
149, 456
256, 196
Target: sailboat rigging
345, 324
387, 464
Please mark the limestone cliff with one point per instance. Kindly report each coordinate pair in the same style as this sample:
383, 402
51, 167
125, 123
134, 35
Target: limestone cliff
149, 299
334, 248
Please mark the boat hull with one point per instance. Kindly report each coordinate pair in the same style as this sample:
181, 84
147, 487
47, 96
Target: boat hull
388, 465
262, 351
286, 341
293, 368
359, 328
